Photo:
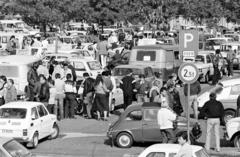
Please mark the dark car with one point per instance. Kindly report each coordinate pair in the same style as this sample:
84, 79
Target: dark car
138, 123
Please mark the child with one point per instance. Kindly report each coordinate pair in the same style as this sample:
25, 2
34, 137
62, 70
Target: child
52, 108
11, 92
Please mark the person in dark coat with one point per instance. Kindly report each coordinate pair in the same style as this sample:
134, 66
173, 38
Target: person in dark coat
216, 75
32, 78
44, 90
127, 85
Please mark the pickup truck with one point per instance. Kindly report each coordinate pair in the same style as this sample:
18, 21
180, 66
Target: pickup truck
204, 63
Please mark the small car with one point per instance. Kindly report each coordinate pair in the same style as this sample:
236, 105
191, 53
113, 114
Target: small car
27, 122
11, 148
228, 96
232, 132
138, 123
170, 150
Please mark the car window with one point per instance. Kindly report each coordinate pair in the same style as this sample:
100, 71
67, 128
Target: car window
34, 113
94, 65
79, 66
208, 59
156, 154
13, 113
41, 111
15, 149
134, 115
146, 55
235, 90
171, 154
150, 114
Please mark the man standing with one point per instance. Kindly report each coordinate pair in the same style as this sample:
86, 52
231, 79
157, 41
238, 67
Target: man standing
213, 111
230, 57
127, 87
32, 78
143, 87
186, 149
59, 85
108, 82
195, 89
88, 89
102, 48
165, 119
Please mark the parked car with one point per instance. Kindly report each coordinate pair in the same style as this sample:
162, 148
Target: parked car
170, 150
227, 95
60, 57
27, 122
138, 123
233, 132
16, 67
162, 58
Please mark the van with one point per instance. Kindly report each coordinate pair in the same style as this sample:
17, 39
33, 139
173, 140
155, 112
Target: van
165, 59
16, 67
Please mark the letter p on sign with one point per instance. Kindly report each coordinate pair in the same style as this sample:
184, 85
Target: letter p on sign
188, 38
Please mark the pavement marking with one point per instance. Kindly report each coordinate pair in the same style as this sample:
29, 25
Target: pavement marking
79, 134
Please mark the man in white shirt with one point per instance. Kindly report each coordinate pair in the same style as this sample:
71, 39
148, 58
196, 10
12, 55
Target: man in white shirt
165, 118
59, 85
186, 149
42, 69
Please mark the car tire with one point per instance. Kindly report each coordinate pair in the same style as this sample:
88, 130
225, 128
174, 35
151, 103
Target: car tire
124, 140
236, 141
55, 133
228, 114
35, 140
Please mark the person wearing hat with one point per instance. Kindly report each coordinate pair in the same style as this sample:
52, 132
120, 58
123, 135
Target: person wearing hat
213, 112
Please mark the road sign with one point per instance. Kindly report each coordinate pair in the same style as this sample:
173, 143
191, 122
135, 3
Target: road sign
188, 43
188, 73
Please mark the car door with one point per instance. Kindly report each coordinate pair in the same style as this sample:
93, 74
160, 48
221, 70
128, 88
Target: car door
35, 124
231, 101
151, 130
44, 120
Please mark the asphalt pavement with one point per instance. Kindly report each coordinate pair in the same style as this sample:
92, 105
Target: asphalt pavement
87, 138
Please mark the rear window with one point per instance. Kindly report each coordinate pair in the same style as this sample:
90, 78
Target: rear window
15, 149
13, 113
94, 65
146, 55
9, 71
79, 66
125, 71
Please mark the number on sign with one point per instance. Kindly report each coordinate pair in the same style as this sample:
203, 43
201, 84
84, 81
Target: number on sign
188, 73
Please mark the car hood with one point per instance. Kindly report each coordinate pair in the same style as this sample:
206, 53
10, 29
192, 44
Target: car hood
200, 65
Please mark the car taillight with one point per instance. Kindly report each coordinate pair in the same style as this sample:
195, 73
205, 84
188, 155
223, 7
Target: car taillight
25, 132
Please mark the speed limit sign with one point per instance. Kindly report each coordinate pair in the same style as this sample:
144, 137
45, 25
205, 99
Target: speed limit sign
188, 73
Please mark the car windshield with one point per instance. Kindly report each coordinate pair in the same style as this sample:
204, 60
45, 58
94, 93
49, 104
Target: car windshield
9, 71
199, 58
125, 71
15, 149
201, 153
13, 113
94, 65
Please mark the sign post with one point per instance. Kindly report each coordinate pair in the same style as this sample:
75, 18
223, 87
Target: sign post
188, 44
188, 73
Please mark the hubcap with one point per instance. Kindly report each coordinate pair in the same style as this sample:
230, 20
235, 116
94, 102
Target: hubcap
35, 140
54, 132
124, 140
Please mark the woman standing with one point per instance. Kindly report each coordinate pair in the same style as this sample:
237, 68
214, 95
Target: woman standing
100, 97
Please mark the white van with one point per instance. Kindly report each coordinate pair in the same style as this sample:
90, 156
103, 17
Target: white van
16, 67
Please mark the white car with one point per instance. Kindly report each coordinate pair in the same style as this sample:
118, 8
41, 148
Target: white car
228, 97
27, 122
170, 150
233, 132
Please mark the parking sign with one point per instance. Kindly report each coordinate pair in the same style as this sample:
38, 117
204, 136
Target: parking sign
188, 43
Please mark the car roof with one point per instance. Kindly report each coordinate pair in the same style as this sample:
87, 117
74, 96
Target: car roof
18, 59
157, 47
219, 38
58, 54
77, 59
133, 66
21, 104
231, 43
4, 140
205, 52
231, 82
169, 148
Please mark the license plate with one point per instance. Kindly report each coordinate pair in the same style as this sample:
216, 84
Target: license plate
7, 131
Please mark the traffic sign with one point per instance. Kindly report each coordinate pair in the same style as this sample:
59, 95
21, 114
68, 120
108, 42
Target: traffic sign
188, 73
188, 43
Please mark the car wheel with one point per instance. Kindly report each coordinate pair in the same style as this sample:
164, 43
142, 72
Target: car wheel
228, 114
55, 132
124, 140
207, 78
35, 140
236, 141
